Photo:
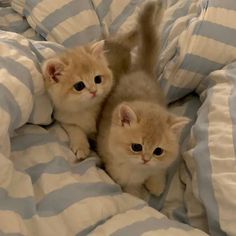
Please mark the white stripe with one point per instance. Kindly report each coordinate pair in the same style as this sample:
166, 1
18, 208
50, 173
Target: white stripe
45, 8
125, 219
70, 26
221, 16
13, 36
115, 10
52, 182
14, 182
18, 5
179, 80
40, 154
173, 231
222, 155
215, 51
97, 2
12, 223
130, 21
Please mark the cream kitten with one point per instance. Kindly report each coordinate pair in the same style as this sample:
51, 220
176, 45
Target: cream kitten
137, 136
78, 81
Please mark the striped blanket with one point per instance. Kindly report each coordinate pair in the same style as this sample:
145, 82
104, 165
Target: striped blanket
43, 193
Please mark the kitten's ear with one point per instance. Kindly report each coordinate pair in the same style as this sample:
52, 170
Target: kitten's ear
52, 69
126, 115
98, 48
177, 123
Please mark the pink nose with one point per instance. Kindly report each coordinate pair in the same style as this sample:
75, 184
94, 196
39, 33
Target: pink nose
145, 160
93, 93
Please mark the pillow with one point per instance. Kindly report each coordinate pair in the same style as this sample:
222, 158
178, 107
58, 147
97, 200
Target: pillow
211, 158
72, 23
196, 44
22, 85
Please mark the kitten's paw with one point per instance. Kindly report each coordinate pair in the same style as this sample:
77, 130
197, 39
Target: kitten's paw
81, 151
154, 186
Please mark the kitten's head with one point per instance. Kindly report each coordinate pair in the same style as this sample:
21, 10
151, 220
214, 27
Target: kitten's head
78, 78
145, 135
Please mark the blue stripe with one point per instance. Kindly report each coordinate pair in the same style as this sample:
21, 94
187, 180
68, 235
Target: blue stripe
57, 201
9, 104
38, 49
17, 70
217, 32
7, 11
23, 142
199, 64
119, 20
89, 34
29, 6
23, 50
150, 224
173, 93
18, 26
25, 207
231, 75
59, 165
103, 9
71, 9
180, 214
89, 229
179, 12
226, 4
201, 155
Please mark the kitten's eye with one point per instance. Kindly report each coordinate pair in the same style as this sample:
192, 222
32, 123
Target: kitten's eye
98, 79
79, 86
158, 151
136, 147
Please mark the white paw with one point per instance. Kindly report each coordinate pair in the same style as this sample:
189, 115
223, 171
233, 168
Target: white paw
81, 150
156, 188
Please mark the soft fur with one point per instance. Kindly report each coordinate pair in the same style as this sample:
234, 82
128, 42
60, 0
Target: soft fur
135, 113
77, 111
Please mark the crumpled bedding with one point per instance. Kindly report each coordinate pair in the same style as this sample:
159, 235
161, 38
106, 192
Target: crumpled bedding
43, 193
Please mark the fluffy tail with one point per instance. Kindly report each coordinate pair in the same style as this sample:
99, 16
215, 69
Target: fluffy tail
149, 41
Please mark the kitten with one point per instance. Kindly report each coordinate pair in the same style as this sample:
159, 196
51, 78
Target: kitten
137, 137
78, 81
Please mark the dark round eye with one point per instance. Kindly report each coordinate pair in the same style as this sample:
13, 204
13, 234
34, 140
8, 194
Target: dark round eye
136, 147
79, 86
158, 151
98, 79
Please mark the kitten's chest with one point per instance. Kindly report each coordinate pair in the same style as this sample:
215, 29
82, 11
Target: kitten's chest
129, 175
86, 120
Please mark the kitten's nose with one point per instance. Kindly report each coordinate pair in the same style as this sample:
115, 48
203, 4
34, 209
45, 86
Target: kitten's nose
93, 93
145, 159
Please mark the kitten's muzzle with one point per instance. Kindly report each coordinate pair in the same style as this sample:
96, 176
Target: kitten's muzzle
145, 159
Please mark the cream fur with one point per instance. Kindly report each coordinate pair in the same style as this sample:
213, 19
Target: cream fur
135, 112
77, 111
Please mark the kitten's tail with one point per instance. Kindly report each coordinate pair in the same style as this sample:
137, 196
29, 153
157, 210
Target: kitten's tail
149, 39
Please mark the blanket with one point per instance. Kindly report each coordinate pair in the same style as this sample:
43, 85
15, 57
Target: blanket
42, 192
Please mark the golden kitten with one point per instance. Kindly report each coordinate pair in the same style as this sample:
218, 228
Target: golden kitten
78, 81
137, 136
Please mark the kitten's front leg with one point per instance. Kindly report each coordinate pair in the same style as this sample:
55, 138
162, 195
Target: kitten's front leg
78, 141
156, 183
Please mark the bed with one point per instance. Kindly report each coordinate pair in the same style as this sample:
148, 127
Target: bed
44, 192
